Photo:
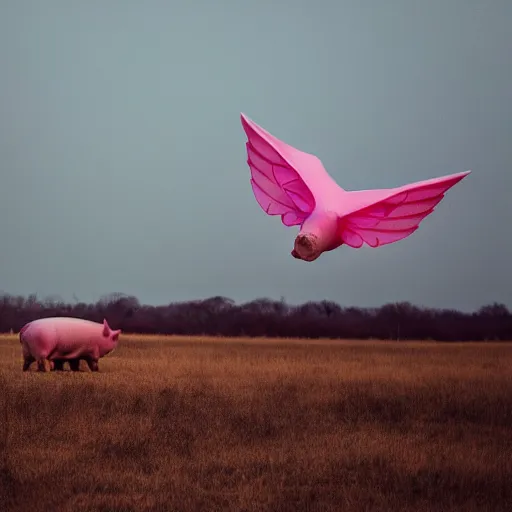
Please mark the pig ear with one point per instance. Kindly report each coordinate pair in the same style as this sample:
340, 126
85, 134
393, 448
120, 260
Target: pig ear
106, 328
115, 334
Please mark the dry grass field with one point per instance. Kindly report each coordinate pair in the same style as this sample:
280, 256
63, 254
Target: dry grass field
205, 424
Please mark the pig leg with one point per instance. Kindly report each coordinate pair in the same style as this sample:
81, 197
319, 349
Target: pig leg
41, 364
27, 361
28, 358
58, 365
92, 364
74, 364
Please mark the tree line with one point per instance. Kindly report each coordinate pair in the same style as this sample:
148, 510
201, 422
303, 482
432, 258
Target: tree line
221, 316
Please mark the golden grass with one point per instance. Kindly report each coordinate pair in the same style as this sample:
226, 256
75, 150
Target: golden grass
186, 424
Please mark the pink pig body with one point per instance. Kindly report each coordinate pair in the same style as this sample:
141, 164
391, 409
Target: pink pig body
64, 338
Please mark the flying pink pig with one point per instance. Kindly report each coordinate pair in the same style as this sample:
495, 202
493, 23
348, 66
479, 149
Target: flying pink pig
296, 186
65, 338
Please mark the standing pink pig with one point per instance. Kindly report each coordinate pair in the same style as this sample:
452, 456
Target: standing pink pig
59, 338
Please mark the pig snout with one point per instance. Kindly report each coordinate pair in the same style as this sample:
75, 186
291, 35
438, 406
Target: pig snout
306, 247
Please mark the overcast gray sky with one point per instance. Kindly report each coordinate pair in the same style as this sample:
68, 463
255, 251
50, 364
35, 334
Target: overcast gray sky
122, 157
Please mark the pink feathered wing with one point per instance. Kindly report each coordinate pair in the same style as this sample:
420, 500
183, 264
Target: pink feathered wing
292, 183
393, 214
277, 186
